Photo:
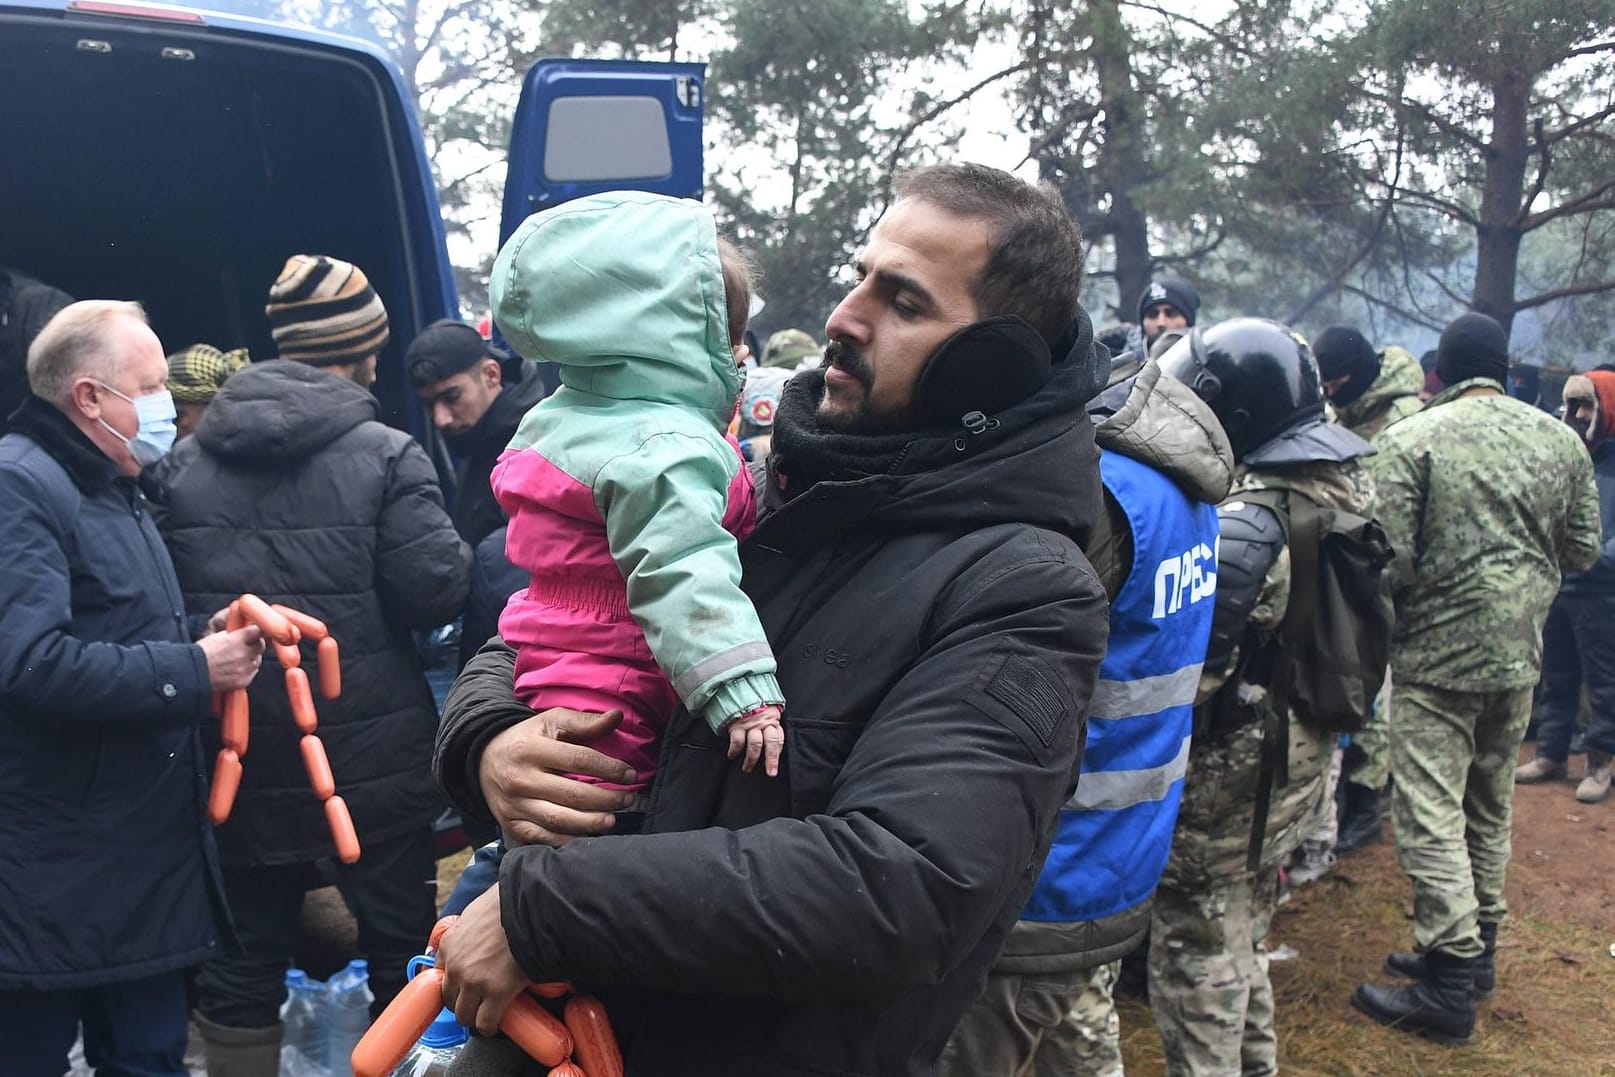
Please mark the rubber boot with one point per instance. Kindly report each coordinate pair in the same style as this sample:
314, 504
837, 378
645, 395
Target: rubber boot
1360, 823
1411, 966
1440, 1007
240, 1052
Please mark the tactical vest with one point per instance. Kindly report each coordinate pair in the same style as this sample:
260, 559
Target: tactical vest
1116, 831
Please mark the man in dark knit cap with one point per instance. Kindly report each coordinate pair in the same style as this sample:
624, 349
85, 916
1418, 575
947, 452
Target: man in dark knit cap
291, 489
1487, 502
1168, 303
1370, 389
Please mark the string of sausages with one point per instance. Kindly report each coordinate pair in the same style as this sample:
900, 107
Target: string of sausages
580, 1043
284, 629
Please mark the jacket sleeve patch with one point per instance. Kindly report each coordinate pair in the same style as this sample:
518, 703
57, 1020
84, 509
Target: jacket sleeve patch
1019, 693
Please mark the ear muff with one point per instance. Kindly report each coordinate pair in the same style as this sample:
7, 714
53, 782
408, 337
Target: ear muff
986, 366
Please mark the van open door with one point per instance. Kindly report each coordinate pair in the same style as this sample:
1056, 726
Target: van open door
584, 126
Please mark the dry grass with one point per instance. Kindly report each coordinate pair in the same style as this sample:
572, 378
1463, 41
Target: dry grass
1554, 1014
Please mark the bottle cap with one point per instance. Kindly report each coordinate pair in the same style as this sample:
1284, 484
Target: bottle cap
296, 978
445, 1031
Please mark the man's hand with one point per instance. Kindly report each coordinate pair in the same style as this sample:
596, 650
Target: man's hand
523, 773
218, 622
233, 658
480, 976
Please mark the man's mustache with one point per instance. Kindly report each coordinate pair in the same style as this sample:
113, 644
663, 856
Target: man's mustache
848, 359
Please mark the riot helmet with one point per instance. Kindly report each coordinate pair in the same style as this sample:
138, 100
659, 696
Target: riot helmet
1261, 381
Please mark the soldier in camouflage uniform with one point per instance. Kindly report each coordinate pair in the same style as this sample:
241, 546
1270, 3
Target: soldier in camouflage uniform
1370, 390
1487, 502
1209, 988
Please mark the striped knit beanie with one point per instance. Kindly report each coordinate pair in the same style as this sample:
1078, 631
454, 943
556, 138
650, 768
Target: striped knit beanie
322, 311
196, 374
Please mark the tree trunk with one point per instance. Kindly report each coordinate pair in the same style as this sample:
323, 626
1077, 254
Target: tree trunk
1122, 166
1498, 234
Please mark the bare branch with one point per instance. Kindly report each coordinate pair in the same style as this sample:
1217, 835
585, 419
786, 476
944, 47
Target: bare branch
1328, 287
939, 107
1449, 127
1544, 162
1588, 50
1575, 127
1567, 292
1437, 202
1401, 312
1589, 202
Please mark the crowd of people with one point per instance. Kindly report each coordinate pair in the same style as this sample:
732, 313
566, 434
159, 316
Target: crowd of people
854, 709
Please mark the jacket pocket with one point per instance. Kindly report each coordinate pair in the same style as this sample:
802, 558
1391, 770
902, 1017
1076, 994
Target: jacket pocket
815, 750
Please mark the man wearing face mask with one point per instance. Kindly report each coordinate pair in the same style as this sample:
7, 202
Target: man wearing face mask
292, 490
102, 694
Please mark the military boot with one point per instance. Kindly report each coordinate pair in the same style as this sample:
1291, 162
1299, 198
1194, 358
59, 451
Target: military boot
1360, 823
1411, 966
1440, 1007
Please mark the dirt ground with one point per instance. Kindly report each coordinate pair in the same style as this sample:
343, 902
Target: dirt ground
1554, 1014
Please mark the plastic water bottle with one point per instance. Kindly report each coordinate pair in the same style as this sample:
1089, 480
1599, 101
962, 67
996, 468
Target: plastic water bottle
431, 1055
349, 1014
302, 1052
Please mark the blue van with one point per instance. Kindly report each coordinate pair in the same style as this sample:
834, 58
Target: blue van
178, 156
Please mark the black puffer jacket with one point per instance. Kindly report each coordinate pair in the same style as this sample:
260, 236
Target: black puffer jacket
476, 513
292, 491
107, 868
938, 635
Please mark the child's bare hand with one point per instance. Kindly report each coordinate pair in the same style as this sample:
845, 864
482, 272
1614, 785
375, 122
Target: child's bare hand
759, 736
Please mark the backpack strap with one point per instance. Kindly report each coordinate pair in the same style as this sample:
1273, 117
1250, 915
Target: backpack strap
1301, 521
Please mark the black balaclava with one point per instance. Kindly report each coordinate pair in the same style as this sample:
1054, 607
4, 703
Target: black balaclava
1343, 352
1473, 346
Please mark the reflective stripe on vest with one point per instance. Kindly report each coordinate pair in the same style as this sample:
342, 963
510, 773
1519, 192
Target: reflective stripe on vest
1116, 832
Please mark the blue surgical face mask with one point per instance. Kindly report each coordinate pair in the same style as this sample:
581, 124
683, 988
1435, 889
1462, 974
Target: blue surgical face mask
155, 411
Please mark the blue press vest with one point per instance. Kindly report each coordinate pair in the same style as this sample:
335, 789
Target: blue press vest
1115, 833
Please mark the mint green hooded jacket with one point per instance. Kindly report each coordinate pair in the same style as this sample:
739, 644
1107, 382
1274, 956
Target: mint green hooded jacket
625, 497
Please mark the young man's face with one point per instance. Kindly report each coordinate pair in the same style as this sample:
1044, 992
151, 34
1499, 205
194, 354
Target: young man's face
913, 292
1159, 317
1581, 412
458, 403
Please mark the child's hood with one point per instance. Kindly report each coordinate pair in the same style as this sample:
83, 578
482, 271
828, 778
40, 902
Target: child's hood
624, 292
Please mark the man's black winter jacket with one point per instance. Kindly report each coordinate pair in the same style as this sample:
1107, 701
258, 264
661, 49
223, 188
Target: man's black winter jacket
476, 513
291, 490
938, 633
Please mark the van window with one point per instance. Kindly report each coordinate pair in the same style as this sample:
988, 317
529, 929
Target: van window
606, 138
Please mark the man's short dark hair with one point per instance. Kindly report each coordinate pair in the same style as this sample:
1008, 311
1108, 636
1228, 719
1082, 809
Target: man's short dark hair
1034, 270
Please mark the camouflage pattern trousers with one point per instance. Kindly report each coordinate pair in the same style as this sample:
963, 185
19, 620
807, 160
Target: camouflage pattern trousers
1060, 1024
1453, 754
1209, 990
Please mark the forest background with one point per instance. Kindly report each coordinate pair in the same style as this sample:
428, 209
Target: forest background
1383, 163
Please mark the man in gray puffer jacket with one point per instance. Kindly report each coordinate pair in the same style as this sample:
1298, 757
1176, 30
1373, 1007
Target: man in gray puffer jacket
292, 490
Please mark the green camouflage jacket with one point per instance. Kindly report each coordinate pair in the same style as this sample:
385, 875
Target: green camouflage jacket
1487, 501
1214, 821
1393, 396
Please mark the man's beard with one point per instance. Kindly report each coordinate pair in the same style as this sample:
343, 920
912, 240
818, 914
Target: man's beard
861, 419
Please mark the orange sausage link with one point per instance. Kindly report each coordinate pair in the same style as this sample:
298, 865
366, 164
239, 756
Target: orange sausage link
233, 620
318, 766
226, 782
272, 624
312, 628
593, 1037
440, 929
536, 1031
404, 1021
330, 668
555, 989
290, 657
341, 824
568, 1069
302, 697
218, 706
234, 726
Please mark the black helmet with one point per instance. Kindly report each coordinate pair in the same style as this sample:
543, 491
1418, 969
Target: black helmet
1261, 381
